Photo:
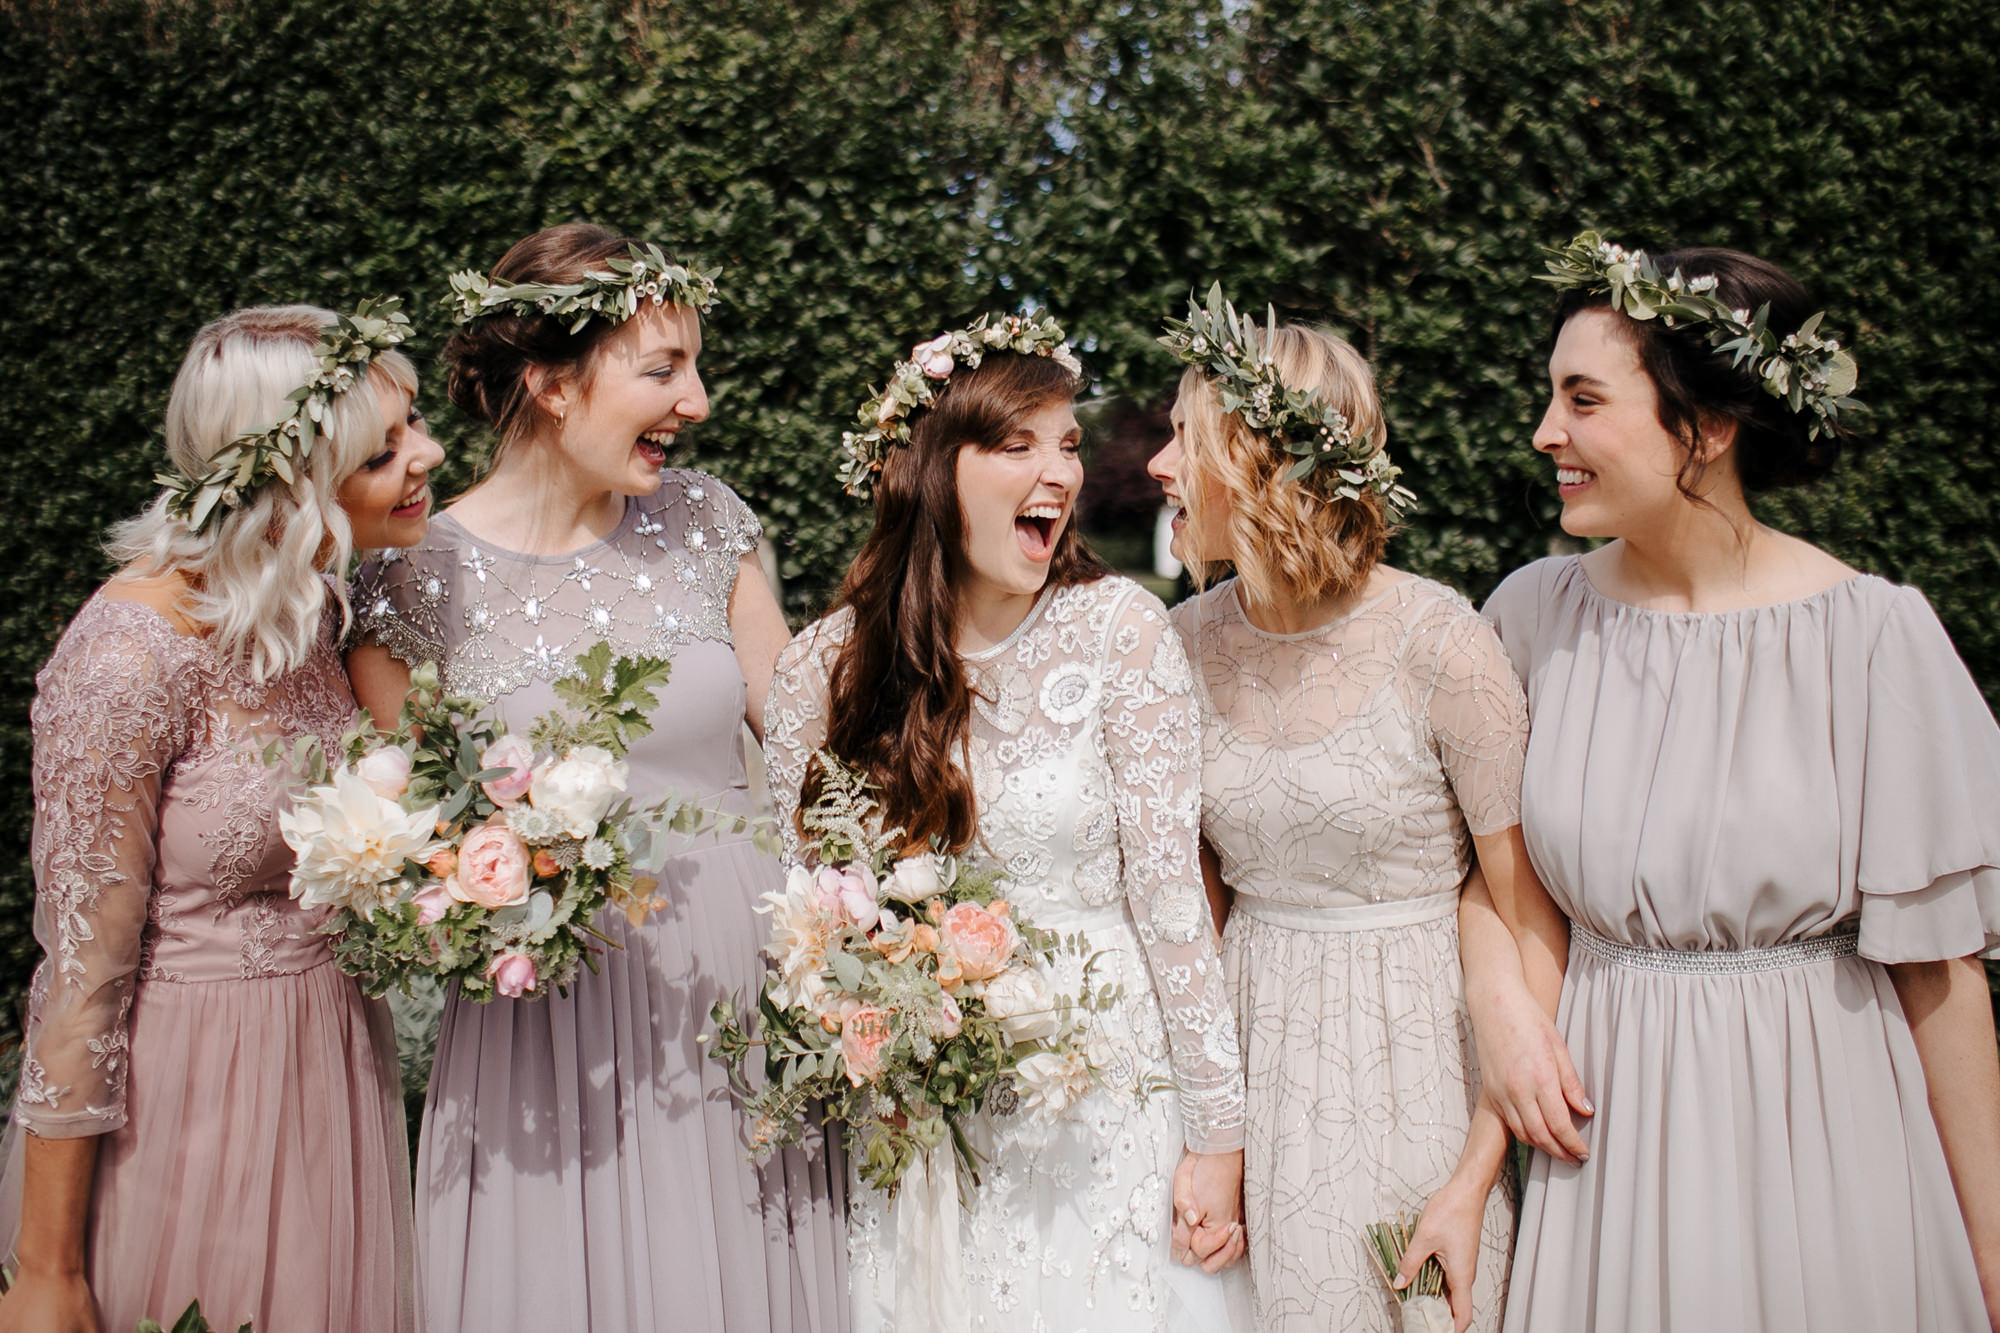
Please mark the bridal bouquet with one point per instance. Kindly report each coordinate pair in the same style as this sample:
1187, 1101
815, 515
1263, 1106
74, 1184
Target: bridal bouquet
458, 850
1422, 1304
907, 995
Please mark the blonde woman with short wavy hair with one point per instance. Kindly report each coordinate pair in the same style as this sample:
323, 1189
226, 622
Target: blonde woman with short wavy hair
209, 1109
1362, 737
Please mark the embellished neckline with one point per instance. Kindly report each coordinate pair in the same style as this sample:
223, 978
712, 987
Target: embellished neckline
1235, 591
460, 535
987, 654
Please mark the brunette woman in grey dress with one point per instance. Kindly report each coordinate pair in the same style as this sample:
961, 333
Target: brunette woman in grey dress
582, 1165
1763, 788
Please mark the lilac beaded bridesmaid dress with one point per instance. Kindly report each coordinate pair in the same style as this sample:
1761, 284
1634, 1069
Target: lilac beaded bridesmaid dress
583, 1165
253, 1151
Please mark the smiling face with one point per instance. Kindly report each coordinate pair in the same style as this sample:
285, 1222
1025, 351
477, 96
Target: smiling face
388, 499
1201, 529
1616, 465
1016, 501
618, 422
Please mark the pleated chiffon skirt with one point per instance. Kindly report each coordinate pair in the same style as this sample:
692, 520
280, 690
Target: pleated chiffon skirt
264, 1165
583, 1164
1762, 1157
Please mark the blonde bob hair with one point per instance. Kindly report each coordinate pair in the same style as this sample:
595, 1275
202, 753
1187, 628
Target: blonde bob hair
1288, 540
255, 577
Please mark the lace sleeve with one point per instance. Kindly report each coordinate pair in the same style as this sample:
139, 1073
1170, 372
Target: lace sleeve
108, 720
399, 600
1472, 703
795, 722
1152, 739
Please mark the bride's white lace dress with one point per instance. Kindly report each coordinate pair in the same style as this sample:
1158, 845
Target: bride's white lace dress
1085, 754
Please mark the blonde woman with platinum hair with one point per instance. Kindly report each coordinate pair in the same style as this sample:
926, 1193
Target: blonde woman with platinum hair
208, 1109
1362, 740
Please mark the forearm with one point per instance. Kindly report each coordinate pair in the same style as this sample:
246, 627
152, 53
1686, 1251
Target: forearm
1540, 930
1485, 1151
1951, 1018
55, 1203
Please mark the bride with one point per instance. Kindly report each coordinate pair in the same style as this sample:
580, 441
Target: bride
1010, 696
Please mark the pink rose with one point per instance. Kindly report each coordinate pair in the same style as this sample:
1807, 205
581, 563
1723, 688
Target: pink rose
432, 901
950, 1021
492, 868
863, 1034
981, 939
510, 751
386, 771
934, 357
512, 974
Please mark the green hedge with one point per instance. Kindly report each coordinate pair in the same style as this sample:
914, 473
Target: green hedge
868, 171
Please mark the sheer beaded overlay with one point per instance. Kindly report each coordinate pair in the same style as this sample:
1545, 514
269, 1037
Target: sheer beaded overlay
1343, 770
1084, 748
244, 1091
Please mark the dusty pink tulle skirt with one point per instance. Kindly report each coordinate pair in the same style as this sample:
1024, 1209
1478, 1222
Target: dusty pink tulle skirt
263, 1169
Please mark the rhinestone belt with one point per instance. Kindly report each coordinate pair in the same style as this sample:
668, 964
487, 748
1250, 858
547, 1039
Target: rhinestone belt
1796, 953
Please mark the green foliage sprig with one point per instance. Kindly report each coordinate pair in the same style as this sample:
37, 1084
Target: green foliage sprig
280, 450
1230, 350
613, 293
916, 383
1812, 374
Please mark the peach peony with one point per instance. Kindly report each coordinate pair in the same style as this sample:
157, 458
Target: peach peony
492, 868
981, 939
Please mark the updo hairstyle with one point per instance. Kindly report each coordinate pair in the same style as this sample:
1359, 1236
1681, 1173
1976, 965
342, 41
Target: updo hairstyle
1696, 385
1289, 540
487, 361
255, 571
899, 706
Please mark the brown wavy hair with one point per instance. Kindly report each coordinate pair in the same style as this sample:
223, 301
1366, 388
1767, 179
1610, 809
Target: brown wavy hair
1288, 539
899, 707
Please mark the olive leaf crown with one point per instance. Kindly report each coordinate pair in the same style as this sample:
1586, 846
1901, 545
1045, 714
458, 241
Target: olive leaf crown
612, 293
1229, 349
346, 349
918, 380
1812, 374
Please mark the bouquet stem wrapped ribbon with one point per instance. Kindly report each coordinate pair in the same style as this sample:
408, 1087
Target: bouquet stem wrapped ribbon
1423, 1304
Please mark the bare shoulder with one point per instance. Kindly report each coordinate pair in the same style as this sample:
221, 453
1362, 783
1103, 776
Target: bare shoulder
1797, 568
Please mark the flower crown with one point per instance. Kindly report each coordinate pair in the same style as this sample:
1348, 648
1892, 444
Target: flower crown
885, 417
1227, 347
612, 294
1811, 373
346, 350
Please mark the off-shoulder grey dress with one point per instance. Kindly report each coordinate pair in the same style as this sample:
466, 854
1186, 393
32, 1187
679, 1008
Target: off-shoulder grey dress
582, 1164
1745, 814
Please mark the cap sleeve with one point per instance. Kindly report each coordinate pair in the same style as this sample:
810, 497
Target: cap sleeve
399, 600
1477, 716
722, 510
1515, 610
109, 719
1929, 867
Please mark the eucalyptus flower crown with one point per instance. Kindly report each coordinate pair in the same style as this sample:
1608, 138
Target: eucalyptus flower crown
1812, 374
346, 349
1228, 348
916, 383
612, 293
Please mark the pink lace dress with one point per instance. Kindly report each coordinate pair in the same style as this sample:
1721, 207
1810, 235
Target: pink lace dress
253, 1152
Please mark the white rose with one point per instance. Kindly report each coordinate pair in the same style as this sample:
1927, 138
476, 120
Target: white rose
579, 789
1020, 1000
914, 879
1051, 1082
386, 771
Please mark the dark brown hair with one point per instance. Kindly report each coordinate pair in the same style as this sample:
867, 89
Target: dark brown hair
899, 707
488, 360
1697, 386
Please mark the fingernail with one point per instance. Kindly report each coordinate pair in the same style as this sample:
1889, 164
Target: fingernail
1589, 1107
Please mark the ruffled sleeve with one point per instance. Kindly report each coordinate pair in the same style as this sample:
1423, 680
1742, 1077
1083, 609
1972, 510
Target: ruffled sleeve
1152, 739
400, 600
1471, 701
1929, 863
109, 719
795, 720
